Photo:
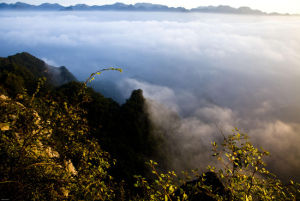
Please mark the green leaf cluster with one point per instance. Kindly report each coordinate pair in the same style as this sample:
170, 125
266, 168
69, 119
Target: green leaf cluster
240, 175
47, 154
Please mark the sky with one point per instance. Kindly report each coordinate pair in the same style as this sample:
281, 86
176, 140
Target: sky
282, 6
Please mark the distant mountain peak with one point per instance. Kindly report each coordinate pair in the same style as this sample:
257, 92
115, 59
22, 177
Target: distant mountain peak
118, 6
21, 3
228, 9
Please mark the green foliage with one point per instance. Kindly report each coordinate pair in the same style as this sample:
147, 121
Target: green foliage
92, 76
47, 153
75, 119
242, 173
123, 131
14, 83
163, 187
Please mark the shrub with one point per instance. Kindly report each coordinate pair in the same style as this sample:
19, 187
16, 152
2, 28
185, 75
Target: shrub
242, 175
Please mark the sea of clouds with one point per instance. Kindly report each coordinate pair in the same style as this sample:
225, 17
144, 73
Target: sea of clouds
200, 73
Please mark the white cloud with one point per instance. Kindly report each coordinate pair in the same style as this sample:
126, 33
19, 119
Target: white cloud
49, 61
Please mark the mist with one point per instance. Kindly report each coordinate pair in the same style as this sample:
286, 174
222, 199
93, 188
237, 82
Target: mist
200, 73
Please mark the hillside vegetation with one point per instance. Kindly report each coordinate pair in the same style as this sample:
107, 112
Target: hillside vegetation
63, 141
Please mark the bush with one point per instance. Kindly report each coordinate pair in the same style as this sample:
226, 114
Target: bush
47, 154
242, 176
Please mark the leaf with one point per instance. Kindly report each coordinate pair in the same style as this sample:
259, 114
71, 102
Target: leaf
4, 126
171, 189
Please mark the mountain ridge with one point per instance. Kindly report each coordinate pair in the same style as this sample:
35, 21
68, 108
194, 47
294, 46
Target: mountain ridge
35, 67
223, 9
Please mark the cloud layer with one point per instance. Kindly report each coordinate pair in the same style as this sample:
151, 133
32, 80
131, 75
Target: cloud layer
197, 70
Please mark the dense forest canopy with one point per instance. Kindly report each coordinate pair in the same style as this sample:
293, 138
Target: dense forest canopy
63, 141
